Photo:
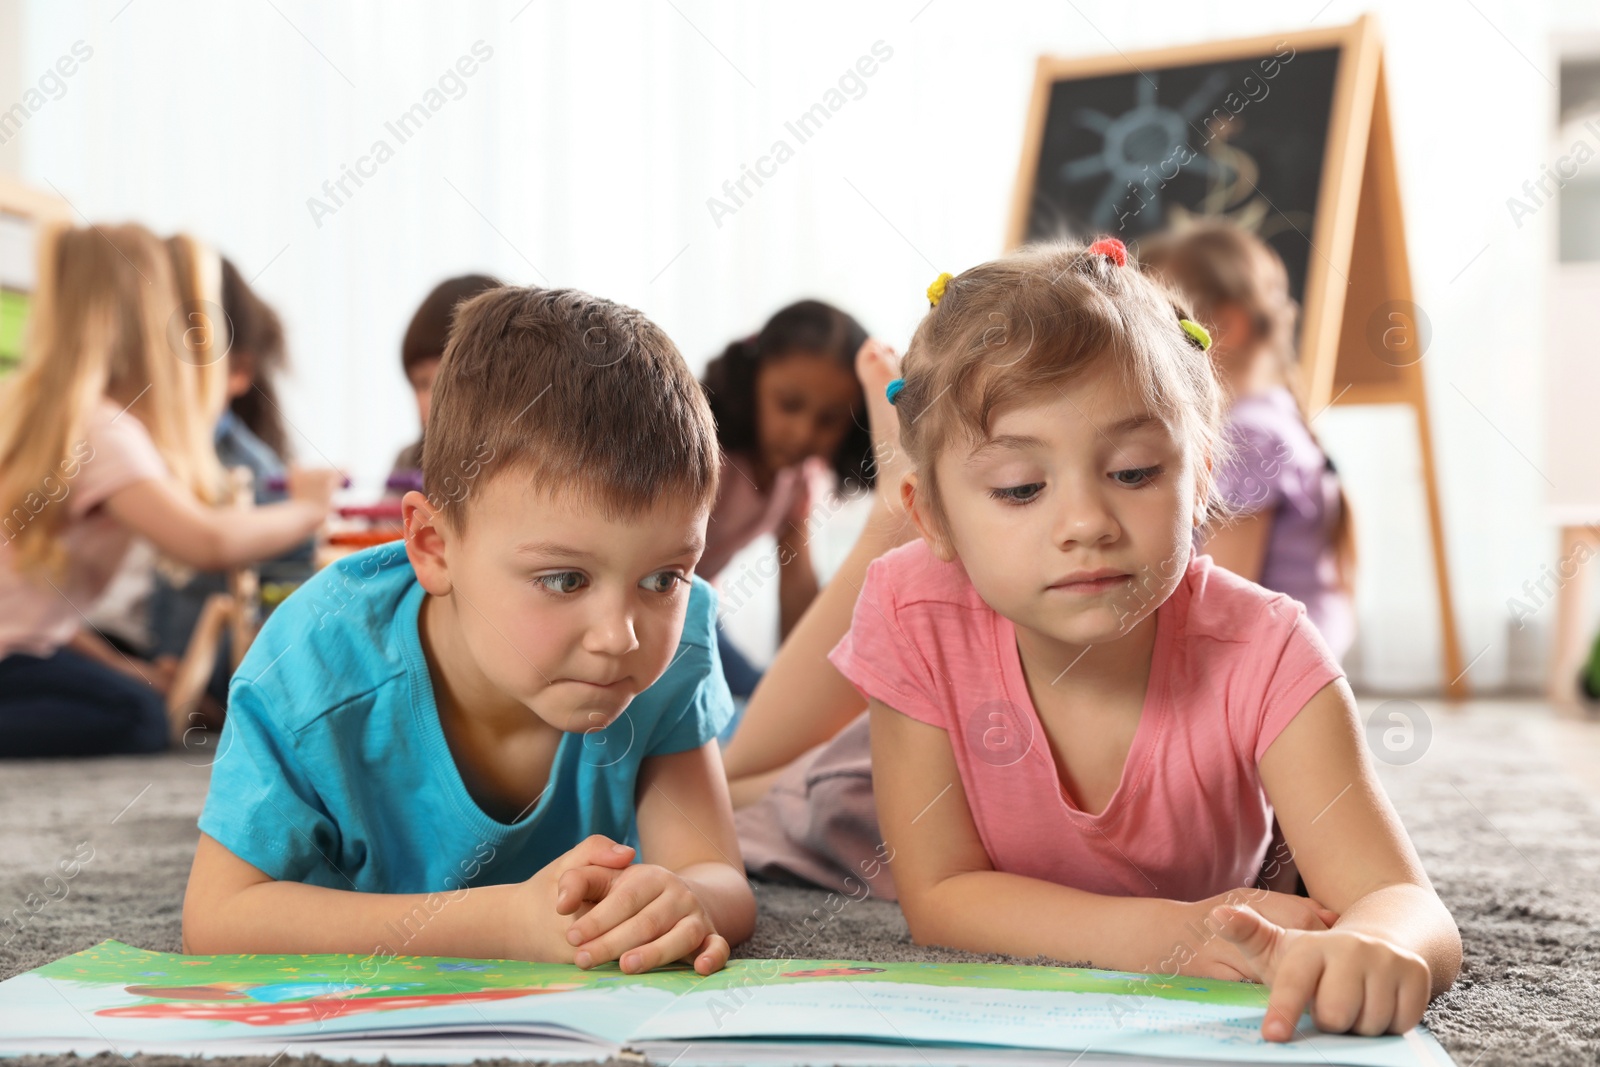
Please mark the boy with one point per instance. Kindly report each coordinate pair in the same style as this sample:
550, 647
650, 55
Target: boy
422, 349
458, 746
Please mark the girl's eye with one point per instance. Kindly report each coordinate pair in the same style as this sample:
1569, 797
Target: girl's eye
1136, 478
654, 583
1018, 494
563, 582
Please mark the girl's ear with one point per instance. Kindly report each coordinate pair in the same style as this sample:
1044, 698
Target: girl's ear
916, 506
426, 540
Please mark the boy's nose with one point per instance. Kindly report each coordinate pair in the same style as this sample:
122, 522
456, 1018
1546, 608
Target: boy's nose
611, 634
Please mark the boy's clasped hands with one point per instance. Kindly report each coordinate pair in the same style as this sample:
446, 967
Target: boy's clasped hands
641, 914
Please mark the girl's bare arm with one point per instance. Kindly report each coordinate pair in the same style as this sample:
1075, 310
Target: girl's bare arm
802, 700
215, 538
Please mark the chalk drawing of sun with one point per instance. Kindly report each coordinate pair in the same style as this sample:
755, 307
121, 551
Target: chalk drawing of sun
1139, 148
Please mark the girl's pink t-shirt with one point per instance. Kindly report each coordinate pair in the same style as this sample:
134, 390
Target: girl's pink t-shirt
37, 614
1232, 664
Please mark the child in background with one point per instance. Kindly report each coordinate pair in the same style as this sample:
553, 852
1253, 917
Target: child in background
471, 735
800, 765
423, 348
1288, 522
790, 418
250, 433
104, 437
123, 614
1073, 712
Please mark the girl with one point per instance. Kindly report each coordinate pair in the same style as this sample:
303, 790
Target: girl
789, 418
1073, 713
105, 436
1288, 522
250, 432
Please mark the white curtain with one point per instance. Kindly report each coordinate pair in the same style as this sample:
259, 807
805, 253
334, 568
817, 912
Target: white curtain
585, 143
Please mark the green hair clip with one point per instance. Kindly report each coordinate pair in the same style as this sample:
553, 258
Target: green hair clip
1197, 333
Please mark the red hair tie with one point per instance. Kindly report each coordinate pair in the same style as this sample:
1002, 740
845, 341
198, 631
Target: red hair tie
1112, 249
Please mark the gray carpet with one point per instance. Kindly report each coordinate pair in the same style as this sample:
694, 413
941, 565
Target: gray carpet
1513, 846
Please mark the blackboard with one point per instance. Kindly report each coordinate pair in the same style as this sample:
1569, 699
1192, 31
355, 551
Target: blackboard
1129, 153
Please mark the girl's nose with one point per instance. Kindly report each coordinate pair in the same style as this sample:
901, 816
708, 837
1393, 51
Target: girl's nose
1083, 515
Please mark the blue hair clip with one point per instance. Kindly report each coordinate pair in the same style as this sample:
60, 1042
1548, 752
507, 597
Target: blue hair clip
893, 390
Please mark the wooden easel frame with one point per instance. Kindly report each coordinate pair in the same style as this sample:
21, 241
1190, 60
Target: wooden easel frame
33, 205
28, 202
1359, 261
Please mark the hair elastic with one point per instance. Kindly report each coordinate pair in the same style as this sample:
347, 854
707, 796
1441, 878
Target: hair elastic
936, 290
1111, 248
1197, 333
893, 389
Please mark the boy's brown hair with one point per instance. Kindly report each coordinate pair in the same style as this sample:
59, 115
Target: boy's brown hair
1009, 332
578, 394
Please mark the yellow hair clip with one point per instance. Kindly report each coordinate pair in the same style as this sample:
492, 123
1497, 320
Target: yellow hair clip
936, 290
1197, 333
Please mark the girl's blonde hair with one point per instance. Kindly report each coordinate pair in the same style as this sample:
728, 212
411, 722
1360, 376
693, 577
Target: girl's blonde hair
98, 327
200, 334
1218, 263
1009, 332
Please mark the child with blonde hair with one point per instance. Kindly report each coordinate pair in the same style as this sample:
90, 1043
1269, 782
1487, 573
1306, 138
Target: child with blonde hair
1073, 711
105, 437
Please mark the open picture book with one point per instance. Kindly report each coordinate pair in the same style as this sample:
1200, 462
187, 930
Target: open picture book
117, 998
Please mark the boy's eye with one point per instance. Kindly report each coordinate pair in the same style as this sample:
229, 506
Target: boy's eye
1135, 478
1018, 494
664, 581
562, 582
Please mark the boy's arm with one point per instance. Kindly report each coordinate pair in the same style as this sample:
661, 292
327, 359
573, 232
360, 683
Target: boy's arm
949, 890
686, 825
233, 907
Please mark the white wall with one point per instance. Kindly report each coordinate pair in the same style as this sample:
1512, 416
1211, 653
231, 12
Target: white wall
583, 153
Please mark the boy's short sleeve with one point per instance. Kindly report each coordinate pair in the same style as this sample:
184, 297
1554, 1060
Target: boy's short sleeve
261, 806
693, 696
1298, 664
879, 653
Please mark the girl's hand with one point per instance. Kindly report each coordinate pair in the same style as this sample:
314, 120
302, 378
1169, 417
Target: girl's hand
1349, 980
646, 915
1217, 957
314, 485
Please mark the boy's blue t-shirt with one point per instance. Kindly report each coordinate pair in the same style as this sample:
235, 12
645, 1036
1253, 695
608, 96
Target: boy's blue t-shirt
333, 769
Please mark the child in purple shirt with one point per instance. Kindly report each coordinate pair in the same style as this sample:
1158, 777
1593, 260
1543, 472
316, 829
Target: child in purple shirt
1283, 520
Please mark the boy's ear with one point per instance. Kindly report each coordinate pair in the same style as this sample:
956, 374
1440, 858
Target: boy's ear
426, 536
915, 506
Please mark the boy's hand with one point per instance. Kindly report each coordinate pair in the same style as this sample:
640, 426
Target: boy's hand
646, 915
559, 885
1350, 980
